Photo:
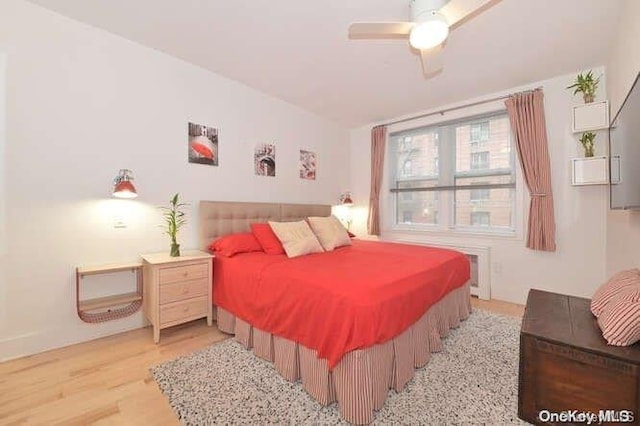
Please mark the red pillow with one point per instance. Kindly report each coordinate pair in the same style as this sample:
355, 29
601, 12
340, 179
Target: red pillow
232, 244
267, 238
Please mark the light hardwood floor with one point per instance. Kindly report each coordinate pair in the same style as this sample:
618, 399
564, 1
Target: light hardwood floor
107, 381
499, 307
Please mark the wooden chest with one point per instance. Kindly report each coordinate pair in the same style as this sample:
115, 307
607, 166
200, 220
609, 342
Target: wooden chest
566, 365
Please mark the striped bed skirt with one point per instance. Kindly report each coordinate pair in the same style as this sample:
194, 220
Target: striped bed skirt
362, 379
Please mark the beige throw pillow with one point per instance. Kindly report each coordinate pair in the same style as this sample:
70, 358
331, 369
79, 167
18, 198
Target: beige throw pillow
330, 232
296, 238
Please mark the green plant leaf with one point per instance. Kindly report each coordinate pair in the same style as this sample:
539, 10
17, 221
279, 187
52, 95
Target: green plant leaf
585, 83
173, 216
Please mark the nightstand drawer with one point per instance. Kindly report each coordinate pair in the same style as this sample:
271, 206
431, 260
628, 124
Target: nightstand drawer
184, 290
183, 273
183, 310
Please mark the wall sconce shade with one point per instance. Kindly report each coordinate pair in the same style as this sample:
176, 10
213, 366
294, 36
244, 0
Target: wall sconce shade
123, 185
345, 199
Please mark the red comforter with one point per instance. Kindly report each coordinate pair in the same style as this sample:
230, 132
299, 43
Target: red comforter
335, 302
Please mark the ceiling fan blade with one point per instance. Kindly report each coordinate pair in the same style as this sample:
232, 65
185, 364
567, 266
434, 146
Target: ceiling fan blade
366, 29
457, 12
432, 61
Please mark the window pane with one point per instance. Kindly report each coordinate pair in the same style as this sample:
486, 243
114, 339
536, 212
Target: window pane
494, 151
479, 160
482, 194
417, 167
479, 135
479, 131
494, 211
417, 155
480, 218
422, 208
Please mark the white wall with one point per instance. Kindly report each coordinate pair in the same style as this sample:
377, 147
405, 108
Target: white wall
81, 104
623, 227
3, 245
578, 266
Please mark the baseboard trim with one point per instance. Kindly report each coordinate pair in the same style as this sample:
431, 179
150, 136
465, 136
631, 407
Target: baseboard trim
36, 342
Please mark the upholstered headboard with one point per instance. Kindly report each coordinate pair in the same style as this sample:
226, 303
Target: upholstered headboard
218, 218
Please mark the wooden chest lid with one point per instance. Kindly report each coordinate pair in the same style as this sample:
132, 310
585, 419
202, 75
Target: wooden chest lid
568, 320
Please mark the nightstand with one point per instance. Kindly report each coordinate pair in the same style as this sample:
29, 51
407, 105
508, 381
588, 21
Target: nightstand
177, 289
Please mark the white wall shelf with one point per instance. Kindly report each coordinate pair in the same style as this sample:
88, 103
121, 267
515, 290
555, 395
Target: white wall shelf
589, 171
591, 116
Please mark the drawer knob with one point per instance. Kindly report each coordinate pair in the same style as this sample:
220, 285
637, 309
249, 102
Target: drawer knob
184, 274
185, 309
185, 290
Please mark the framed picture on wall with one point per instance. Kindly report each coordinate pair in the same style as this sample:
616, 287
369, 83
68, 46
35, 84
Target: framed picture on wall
203, 144
264, 159
308, 165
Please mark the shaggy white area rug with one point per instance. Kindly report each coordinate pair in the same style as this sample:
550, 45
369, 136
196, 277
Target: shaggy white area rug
474, 380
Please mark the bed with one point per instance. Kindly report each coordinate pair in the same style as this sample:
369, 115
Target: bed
348, 338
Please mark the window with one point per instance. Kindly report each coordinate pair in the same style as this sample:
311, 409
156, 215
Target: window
482, 194
405, 145
406, 168
407, 216
479, 135
480, 160
462, 176
480, 218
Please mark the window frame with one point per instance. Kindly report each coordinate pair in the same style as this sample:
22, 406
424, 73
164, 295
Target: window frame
391, 227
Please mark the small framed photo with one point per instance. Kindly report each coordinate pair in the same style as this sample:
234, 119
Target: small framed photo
203, 144
308, 165
264, 159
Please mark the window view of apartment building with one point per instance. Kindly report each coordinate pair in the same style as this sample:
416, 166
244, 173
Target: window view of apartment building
456, 175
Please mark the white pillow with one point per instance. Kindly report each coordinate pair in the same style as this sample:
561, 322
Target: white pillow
330, 232
296, 238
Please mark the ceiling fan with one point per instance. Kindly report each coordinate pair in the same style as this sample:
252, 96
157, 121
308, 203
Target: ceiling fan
431, 21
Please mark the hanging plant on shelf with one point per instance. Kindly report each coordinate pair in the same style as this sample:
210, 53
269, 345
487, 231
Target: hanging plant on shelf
587, 140
587, 85
174, 219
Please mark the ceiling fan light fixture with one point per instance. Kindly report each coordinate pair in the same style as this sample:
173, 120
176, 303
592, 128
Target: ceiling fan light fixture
429, 33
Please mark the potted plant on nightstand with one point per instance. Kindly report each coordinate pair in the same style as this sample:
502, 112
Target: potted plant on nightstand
587, 85
174, 218
587, 140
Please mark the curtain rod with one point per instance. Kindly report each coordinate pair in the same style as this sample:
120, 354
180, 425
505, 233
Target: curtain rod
443, 111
